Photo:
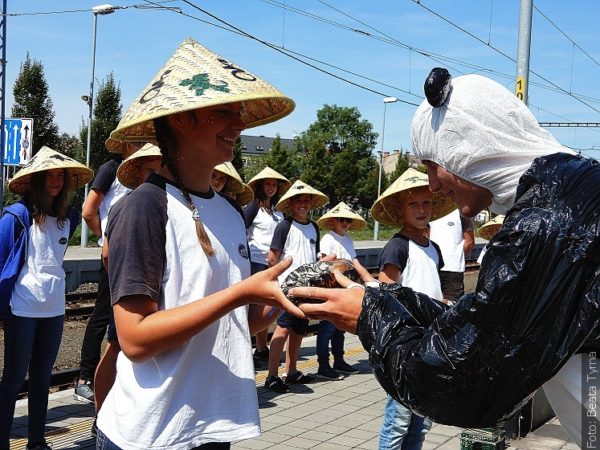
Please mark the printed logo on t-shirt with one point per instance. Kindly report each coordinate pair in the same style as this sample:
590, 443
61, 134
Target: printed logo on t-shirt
243, 251
450, 224
63, 240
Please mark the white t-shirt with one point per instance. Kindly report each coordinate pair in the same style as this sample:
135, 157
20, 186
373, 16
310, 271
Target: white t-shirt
448, 233
418, 264
40, 287
342, 246
107, 183
298, 240
203, 391
260, 232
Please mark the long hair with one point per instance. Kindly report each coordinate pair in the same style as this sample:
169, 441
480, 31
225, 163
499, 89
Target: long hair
166, 142
35, 199
264, 202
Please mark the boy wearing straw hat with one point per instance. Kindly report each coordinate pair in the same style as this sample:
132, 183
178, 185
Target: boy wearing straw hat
296, 236
105, 191
339, 220
34, 234
414, 261
184, 302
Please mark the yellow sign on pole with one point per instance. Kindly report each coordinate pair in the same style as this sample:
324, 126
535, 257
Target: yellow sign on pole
520, 88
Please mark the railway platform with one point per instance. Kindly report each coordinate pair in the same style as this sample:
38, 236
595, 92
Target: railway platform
327, 415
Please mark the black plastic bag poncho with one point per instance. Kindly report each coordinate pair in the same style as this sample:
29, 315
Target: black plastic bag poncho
536, 303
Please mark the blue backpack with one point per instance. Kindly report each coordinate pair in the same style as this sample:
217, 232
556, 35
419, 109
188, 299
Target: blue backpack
13, 248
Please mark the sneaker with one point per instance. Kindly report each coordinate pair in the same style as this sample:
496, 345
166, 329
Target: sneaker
344, 367
327, 373
298, 378
84, 392
263, 355
276, 384
94, 429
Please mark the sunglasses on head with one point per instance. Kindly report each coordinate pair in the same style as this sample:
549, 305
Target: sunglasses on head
344, 219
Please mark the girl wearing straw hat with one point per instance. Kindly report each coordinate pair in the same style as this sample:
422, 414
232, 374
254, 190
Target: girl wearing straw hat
34, 234
296, 236
261, 218
179, 266
339, 220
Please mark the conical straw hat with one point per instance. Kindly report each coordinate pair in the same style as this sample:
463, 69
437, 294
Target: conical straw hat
193, 78
48, 159
283, 184
341, 210
489, 229
386, 208
298, 188
122, 147
127, 173
234, 183
246, 196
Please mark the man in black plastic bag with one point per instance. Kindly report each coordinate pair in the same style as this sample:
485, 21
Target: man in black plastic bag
535, 313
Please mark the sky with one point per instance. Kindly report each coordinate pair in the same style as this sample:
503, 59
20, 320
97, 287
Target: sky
387, 48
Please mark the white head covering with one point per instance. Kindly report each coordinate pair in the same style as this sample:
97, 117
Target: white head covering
484, 134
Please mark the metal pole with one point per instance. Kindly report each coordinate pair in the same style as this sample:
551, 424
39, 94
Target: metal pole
84, 227
523, 50
376, 225
3, 103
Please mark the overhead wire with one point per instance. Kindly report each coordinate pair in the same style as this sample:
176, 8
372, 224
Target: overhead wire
497, 50
86, 10
441, 59
575, 44
287, 52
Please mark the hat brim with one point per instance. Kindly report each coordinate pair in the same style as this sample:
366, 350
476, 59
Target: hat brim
78, 177
387, 210
328, 223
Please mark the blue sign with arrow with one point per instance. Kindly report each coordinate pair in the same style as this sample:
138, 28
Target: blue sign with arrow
18, 141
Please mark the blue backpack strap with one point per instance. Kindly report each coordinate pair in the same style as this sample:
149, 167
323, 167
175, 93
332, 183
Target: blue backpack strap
15, 258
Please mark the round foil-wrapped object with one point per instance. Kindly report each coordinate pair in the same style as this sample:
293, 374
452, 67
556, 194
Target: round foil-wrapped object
318, 274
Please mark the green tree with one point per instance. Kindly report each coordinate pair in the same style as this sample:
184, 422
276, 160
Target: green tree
32, 100
71, 146
337, 157
107, 113
237, 160
282, 160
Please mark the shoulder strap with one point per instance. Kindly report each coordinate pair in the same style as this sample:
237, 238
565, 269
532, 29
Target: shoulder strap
318, 244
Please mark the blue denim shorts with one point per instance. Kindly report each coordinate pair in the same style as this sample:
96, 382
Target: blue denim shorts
298, 326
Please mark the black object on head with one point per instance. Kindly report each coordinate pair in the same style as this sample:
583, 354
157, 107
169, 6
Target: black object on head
437, 86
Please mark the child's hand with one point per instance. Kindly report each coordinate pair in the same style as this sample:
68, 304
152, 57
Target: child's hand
263, 288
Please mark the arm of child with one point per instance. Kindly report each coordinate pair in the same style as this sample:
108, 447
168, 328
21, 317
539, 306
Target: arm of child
145, 331
390, 274
89, 211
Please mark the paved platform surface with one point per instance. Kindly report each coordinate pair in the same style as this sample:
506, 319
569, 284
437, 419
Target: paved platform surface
328, 415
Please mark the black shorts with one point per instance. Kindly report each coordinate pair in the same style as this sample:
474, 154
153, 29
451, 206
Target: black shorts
297, 325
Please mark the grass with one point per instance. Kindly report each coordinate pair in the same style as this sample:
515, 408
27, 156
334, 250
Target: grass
366, 234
